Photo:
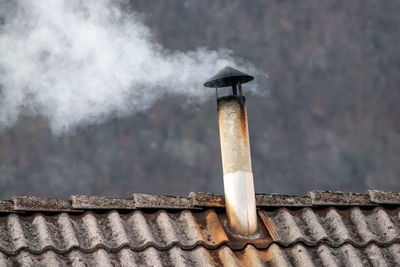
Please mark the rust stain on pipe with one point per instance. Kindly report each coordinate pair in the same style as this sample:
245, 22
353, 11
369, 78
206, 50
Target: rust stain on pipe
243, 124
235, 145
236, 164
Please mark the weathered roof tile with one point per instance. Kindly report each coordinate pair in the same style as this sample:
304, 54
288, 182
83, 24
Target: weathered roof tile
323, 255
6, 206
111, 230
207, 200
28, 203
96, 202
161, 202
297, 255
262, 200
275, 200
329, 198
333, 226
381, 197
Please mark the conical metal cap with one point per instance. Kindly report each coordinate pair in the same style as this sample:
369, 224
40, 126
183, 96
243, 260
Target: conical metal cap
227, 77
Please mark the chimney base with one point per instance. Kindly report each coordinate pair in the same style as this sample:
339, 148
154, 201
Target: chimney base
240, 202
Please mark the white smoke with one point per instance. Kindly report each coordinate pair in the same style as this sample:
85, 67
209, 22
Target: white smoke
81, 62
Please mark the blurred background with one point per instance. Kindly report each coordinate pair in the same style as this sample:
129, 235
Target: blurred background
330, 118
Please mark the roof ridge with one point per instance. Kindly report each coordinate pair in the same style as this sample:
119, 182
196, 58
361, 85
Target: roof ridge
195, 200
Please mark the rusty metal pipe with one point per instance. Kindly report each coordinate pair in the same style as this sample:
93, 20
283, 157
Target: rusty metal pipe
236, 162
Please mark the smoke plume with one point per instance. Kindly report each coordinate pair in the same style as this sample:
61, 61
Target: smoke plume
82, 62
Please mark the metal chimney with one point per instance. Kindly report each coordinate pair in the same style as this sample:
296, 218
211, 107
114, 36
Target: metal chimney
235, 149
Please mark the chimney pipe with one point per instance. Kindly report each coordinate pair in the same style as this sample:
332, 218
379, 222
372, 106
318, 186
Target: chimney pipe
235, 149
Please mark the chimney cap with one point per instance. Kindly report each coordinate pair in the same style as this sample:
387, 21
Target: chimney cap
228, 76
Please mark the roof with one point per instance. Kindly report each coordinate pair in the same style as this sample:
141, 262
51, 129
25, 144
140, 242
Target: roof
322, 228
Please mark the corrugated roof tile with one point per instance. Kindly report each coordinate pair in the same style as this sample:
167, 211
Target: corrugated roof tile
275, 255
375, 256
362, 227
300, 256
323, 255
326, 256
68, 238
351, 256
312, 226
126, 257
177, 256
42, 232
5, 260
385, 227
254, 256
16, 233
111, 230
25, 259
394, 254
118, 236
227, 257
334, 226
